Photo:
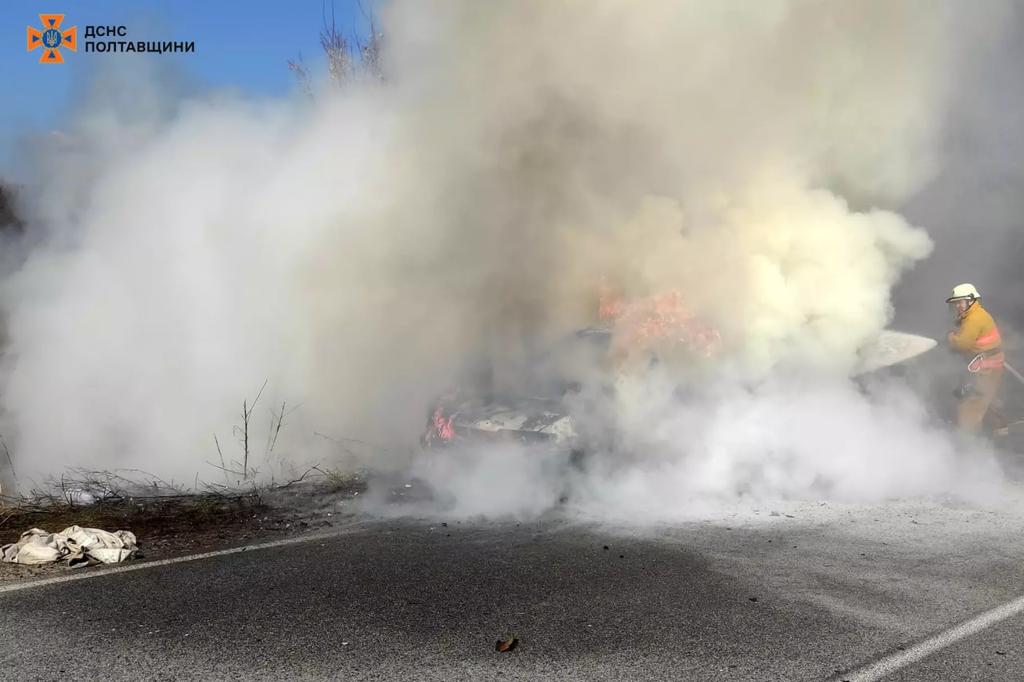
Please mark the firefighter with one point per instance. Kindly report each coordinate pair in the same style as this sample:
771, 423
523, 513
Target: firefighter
976, 337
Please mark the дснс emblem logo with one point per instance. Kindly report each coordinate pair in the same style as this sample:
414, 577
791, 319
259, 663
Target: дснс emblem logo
52, 39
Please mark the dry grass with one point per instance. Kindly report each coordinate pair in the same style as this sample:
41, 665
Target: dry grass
149, 518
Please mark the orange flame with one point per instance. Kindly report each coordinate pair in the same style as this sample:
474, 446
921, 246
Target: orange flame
443, 429
658, 320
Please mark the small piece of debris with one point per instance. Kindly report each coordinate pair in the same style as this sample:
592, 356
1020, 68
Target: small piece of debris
775, 513
505, 645
622, 556
606, 548
752, 598
1001, 653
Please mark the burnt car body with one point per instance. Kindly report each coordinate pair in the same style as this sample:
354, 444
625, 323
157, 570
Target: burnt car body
536, 416
542, 416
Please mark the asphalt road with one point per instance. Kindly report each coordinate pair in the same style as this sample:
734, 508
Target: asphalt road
758, 596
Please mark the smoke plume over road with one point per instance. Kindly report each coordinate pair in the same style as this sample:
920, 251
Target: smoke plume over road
356, 250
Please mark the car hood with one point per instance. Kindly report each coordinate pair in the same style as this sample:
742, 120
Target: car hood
540, 416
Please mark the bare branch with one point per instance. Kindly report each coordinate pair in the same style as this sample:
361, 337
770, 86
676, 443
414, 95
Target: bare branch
257, 398
276, 422
246, 413
245, 441
64, 492
335, 47
371, 51
302, 75
227, 470
299, 479
222, 465
10, 461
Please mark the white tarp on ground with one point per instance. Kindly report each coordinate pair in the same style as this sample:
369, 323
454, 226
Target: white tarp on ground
76, 545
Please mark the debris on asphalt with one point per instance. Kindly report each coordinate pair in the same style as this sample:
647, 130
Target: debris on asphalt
76, 545
752, 598
505, 645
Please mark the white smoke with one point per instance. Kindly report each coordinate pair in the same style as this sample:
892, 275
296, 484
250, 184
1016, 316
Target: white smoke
357, 251
780, 441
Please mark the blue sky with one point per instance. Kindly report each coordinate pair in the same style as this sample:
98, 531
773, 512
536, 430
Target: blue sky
242, 45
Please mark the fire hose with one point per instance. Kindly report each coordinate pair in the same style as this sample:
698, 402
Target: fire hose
1016, 375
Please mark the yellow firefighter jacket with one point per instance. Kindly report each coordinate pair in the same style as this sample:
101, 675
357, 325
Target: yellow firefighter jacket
977, 334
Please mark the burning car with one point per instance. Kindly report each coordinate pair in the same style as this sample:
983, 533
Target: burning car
544, 417
463, 414
627, 330
638, 330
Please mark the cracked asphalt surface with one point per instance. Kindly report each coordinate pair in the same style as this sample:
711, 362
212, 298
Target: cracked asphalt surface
753, 597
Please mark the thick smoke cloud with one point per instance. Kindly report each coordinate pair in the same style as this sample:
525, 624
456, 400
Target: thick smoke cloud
358, 251
973, 206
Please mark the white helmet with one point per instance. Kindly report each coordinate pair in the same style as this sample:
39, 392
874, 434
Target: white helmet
964, 292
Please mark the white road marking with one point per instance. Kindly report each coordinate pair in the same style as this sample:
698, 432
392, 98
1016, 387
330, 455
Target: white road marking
142, 565
899, 660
